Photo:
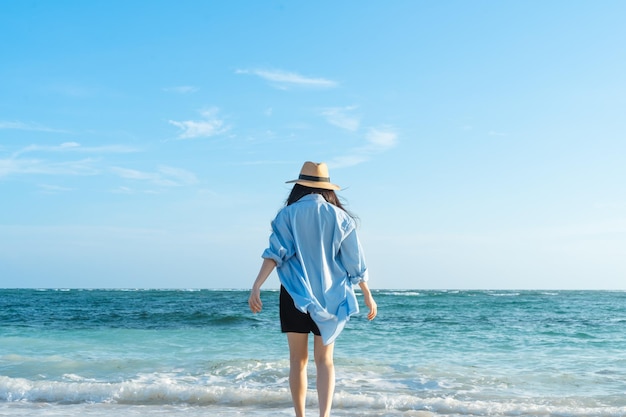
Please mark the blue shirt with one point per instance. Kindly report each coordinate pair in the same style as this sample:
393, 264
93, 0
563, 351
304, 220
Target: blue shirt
318, 258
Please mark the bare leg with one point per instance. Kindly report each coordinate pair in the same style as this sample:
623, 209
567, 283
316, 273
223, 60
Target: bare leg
325, 375
298, 360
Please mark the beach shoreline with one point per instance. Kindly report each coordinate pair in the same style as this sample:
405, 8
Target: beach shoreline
429, 354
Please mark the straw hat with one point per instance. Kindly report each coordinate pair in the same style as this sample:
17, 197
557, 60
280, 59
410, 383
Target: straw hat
315, 175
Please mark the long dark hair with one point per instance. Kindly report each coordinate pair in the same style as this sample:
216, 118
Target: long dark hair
298, 191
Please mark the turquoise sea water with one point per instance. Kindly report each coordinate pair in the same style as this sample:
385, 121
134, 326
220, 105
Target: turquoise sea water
202, 353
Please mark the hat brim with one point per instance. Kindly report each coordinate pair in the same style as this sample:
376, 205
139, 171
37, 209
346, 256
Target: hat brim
316, 184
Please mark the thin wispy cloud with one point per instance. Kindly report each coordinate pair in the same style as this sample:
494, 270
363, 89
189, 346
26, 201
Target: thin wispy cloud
9, 167
209, 125
266, 162
12, 166
181, 89
30, 127
182, 176
347, 161
342, 118
165, 176
122, 190
53, 189
380, 139
75, 147
35, 159
377, 140
285, 79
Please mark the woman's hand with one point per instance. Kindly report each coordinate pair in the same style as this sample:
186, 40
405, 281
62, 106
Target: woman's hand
369, 300
255, 300
371, 304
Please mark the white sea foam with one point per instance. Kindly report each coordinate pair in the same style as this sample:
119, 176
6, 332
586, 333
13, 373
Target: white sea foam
403, 293
142, 391
428, 354
173, 391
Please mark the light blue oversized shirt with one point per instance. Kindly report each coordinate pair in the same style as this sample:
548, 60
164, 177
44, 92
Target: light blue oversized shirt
318, 258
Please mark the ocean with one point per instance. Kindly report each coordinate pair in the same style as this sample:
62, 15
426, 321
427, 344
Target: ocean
195, 353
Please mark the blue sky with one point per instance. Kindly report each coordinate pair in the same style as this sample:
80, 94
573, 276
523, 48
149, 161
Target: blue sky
146, 144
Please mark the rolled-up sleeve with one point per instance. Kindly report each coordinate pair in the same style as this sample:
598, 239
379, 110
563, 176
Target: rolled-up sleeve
319, 259
281, 243
352, 258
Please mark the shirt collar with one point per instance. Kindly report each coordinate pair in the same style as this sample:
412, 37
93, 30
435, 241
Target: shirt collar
314, 197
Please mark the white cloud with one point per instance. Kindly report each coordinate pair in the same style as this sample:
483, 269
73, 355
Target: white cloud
10, 167
67, 145
32, 127
340, 117
18, 164
75, 147
381, 139
13, 166
181, 89
284, 79
53, 189
122, 190
347, 161
377, 140
181, 175
133, 174
209, 125
165, 176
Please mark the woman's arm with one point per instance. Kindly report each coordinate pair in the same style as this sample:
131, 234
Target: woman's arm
255, 294
369, 300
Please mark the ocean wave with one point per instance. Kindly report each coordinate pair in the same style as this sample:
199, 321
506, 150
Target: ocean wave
401, 293
166, 390
503, 294
429, 353
163, 391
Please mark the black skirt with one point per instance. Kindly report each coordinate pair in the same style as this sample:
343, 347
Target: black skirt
293, 320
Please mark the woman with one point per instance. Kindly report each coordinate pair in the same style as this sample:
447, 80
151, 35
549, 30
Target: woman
318, 257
